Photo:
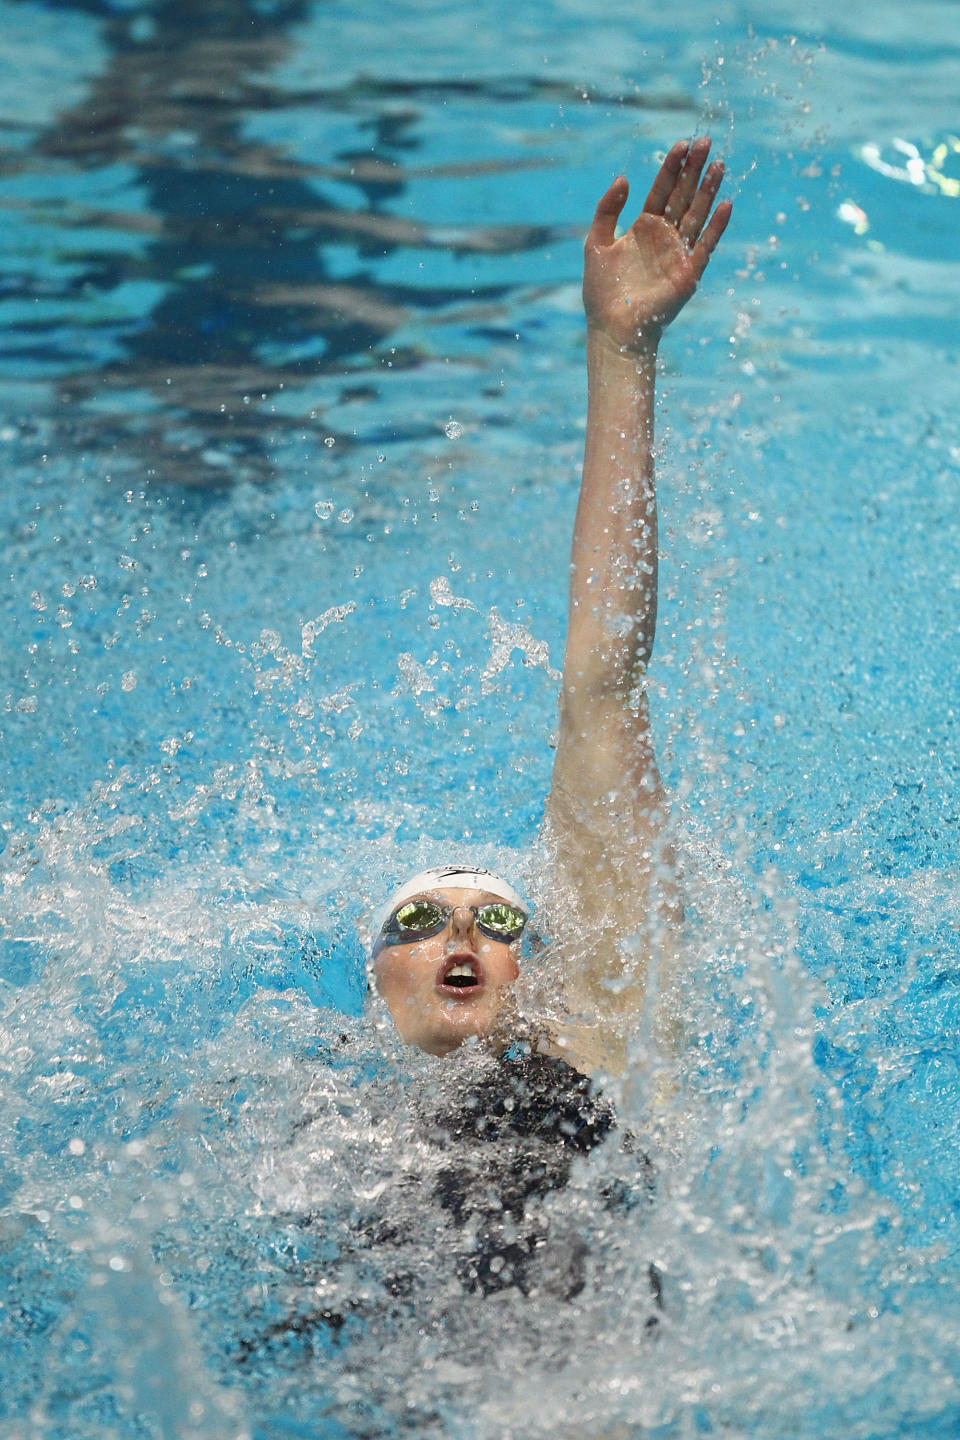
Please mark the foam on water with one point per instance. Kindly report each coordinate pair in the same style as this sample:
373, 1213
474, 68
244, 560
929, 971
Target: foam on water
205, 1157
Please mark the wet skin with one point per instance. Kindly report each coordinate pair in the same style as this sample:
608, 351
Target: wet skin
429, 1009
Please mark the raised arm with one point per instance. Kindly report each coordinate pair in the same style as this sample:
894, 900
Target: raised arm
605, 811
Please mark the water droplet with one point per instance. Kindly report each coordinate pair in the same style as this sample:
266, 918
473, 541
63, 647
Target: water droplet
323, 509
329, 442
453, 429
345, 516
128, 681
313, 628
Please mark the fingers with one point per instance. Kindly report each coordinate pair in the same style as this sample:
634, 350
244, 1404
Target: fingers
679, 195
603, 230
686, 183
706, 245
662, 187
695, 218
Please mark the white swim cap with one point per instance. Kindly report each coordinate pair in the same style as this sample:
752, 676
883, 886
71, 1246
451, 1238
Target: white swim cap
450, 877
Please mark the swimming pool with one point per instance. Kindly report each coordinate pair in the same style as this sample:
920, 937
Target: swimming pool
291, 380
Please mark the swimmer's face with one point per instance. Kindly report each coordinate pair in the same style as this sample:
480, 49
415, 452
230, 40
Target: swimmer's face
448, 986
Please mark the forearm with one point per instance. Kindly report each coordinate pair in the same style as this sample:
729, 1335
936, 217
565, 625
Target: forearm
613, 586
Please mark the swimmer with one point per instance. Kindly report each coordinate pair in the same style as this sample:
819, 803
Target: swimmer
448, 947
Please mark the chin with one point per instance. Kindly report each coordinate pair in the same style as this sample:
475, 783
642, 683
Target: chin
449, 1034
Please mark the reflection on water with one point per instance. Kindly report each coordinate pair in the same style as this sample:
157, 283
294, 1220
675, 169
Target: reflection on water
232, 292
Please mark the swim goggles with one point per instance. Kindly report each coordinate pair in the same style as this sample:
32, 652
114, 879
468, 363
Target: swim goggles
418, 919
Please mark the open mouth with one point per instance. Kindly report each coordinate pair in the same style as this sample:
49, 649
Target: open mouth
460, 975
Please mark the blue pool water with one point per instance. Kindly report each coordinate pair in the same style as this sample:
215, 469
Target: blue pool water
291, 407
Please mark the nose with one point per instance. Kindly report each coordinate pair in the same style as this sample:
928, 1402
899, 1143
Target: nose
462, 923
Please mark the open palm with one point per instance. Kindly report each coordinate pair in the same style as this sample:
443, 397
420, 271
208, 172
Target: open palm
635, 285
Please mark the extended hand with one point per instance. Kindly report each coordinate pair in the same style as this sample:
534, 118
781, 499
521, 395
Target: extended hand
635, 285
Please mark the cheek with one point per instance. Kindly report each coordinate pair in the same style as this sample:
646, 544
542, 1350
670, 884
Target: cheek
392, 973
400, 970
500, 961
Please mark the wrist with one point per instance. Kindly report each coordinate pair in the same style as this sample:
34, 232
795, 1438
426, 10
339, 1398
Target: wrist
639, 353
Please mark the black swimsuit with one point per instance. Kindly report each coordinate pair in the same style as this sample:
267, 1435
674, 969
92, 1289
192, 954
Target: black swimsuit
499, 1136
511, 1138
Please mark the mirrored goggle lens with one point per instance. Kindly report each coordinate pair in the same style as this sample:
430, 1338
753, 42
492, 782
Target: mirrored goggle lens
419, 917
501, 922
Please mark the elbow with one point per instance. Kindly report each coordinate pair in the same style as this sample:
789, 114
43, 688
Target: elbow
598, 688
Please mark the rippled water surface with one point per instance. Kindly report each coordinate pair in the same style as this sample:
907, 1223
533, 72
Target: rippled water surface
291, 410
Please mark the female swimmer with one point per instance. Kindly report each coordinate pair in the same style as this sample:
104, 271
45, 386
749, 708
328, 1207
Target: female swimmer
447, 952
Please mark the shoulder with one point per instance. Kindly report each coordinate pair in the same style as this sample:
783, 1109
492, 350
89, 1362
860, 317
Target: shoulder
545, 1095
524, 1097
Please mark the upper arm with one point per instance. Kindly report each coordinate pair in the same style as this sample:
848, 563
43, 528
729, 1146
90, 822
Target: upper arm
606, 818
